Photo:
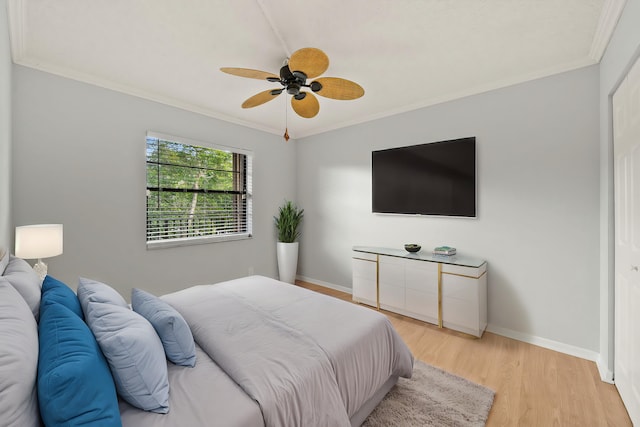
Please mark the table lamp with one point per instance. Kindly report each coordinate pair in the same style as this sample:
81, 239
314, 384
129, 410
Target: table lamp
37, 242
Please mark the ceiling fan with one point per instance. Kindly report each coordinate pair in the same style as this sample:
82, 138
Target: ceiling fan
306, 63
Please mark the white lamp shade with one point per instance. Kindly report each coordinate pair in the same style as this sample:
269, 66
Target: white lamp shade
38, 241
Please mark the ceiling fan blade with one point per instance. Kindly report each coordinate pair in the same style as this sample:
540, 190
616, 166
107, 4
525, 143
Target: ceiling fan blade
307, 107
247, 72
310, 61
337, 88
260, 98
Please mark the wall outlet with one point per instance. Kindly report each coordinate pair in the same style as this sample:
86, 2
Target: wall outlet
250, 272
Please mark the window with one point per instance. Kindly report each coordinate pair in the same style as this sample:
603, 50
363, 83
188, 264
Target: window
196, 193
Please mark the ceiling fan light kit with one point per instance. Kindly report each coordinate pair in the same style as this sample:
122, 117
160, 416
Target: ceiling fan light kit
304, 64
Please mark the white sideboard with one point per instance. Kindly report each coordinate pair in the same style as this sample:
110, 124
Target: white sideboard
447, 291
365, 277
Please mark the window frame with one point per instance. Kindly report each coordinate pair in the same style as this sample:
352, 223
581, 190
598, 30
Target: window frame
198, 240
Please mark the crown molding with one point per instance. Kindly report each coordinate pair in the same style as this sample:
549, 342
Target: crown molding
476, 90
611, 12
170, 101
148, 95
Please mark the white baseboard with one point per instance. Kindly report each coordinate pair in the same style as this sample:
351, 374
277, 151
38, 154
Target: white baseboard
571, 350
605, 374
325, 284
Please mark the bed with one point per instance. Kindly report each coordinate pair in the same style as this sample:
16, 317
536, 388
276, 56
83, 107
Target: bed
267, 353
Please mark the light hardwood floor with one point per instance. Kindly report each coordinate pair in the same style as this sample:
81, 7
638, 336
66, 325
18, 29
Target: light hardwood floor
534, 386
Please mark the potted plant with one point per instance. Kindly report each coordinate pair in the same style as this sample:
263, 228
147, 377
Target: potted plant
287, 223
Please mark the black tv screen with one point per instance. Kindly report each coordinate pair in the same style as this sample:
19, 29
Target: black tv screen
438, 178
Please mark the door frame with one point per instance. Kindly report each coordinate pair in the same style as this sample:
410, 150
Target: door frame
606, 360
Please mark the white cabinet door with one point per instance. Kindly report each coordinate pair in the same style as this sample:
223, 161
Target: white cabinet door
464, 298
421, 289
364, 281
460, 309
626, 148
391, 281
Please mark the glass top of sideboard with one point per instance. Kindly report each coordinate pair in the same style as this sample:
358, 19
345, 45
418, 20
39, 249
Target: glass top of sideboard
423, 255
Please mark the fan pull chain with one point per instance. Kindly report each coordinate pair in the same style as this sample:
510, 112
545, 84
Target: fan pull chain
286, 122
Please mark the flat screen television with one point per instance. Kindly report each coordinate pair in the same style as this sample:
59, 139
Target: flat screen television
438, 178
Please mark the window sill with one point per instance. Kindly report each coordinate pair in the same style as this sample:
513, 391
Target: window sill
190, 241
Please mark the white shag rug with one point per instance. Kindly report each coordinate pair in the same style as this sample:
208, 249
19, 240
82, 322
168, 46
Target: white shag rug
433, 397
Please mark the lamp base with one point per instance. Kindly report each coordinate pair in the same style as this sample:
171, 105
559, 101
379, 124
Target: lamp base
40, 268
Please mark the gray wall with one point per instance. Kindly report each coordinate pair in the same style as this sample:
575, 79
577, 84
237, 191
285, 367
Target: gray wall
5, 130
537, 184
621, 53
79, 159
537, 225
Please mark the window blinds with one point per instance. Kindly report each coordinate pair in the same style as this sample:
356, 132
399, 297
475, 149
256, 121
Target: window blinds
195, 192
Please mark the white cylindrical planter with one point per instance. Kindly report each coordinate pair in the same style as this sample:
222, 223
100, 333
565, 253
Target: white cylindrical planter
287, 261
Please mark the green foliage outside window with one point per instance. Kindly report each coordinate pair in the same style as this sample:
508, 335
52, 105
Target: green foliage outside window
194, 191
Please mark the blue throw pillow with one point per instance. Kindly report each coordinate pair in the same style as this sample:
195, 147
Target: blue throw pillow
92, 290
75, 387
134, 353
173, 330
56, 292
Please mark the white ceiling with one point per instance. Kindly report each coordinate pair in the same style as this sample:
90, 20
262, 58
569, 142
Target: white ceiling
407, 54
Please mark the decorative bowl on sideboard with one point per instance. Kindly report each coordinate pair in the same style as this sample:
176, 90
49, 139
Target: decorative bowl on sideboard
412, 247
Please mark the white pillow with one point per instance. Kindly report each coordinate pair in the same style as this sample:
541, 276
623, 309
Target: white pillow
26, 281
18, 359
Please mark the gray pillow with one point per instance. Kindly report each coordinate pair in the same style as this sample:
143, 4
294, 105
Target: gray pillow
18, 359
4, 260
134, 353
93, 291
26, 281
171, 327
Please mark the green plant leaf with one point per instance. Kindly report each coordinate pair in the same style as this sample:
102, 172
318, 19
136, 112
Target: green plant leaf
288, 221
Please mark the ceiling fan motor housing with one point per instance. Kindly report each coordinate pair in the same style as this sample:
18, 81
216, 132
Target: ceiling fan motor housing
292, 81
293, 88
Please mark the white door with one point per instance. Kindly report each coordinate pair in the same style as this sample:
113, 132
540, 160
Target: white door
626, 125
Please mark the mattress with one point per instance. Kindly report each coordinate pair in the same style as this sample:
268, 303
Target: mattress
271, 353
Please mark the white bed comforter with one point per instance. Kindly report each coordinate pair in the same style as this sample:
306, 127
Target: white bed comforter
306, 358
